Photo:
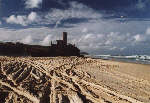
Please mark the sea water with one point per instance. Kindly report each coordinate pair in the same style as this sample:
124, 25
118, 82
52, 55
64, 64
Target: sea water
142, 59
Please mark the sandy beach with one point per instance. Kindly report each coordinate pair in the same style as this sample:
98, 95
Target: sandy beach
72, 80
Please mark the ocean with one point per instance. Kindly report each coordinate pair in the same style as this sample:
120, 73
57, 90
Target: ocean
140, 59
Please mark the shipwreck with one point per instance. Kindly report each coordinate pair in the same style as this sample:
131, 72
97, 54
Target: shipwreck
60, 48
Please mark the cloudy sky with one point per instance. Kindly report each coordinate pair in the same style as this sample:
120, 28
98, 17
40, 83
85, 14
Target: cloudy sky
95, 26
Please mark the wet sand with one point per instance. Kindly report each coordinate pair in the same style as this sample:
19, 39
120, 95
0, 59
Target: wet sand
72, 80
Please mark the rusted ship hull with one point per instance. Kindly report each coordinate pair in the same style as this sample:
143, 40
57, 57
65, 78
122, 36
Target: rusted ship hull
11, 49
62, 48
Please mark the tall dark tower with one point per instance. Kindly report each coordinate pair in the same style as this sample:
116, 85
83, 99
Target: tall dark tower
65, 38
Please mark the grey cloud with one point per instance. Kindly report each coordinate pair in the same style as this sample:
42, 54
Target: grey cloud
33, 3
97, 35
27, 40
140, 4
76, 10
46, 40
23, 20
87, 41
56, 16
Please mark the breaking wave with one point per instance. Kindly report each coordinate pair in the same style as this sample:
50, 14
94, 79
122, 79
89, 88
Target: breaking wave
143, 59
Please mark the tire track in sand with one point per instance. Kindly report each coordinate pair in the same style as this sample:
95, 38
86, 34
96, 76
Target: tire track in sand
62, 84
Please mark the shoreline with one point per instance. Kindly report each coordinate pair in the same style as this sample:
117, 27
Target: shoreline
124, 61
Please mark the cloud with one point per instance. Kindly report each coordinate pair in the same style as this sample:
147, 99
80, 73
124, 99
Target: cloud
75, 11
85, 30
22, 19
148, 31
27, 40
47, 40
32, 17
140, 4
93, 42
92, 33
17, 20
33, 3
138, 38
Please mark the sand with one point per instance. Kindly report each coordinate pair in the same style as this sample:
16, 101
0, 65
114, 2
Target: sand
72, 80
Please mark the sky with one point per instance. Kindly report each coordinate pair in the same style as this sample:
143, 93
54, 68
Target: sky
117, 27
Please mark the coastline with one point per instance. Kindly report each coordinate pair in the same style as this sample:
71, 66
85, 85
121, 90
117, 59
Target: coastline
128, 60
113, 60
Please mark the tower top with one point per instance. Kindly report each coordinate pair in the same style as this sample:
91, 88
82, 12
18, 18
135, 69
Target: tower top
65, 38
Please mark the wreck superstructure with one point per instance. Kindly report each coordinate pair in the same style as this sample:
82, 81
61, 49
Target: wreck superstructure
61, 48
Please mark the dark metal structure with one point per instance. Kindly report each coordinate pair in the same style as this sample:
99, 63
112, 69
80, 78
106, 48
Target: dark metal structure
65, 38
61, 48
